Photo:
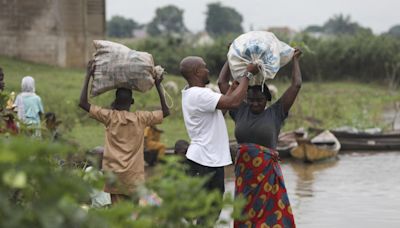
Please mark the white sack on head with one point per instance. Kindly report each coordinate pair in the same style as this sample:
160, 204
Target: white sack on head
117, 66
262, 48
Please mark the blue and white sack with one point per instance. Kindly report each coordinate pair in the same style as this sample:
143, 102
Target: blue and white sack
261, 48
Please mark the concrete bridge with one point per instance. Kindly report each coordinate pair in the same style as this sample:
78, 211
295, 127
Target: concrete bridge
55, 32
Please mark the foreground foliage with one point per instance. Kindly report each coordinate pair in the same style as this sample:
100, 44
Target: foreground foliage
42, 185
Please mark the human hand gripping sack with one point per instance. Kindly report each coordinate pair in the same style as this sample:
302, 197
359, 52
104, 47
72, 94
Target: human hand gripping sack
297, 53
158, 79
253, 68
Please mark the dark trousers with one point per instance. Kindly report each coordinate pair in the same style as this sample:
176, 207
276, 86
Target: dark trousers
216, 182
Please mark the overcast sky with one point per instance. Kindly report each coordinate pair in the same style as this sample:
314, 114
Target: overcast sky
379, 15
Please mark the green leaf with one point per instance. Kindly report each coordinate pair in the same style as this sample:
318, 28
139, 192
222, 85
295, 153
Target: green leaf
15, 179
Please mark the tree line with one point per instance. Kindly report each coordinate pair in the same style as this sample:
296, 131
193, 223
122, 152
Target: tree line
360, 57
222, 20
340, 49
169, 21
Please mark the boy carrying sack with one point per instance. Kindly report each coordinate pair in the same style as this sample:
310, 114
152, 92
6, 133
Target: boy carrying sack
124, 134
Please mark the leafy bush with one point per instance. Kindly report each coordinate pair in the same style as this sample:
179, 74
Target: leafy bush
361, 57
35, 191
184, 198
43, 186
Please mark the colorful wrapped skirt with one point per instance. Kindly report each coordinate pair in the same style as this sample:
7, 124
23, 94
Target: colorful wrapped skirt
259, 181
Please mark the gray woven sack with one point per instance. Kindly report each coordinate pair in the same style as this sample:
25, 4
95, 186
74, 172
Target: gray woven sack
117, 66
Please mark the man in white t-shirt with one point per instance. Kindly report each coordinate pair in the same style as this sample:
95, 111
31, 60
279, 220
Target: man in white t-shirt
208, 152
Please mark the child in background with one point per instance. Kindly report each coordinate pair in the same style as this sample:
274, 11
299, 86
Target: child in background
29, 106
181, 147
152, 136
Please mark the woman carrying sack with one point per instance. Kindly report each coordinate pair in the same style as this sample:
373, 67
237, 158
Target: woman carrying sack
259, 178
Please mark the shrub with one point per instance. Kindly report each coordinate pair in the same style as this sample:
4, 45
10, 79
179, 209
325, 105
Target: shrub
42, 186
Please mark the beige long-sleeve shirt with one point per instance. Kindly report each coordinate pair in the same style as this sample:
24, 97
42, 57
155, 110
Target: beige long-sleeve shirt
123, 149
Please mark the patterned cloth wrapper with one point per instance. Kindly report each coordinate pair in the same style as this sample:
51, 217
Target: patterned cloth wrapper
259, 181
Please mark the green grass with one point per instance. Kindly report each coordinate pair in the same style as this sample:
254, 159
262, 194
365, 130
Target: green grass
336, 104
60, 90
324, 105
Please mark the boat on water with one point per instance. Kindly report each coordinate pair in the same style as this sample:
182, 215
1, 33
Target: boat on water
322, 147
372, 145
366, 140
288, 140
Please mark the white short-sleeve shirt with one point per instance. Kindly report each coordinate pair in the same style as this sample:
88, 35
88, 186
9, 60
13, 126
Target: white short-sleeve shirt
206, 127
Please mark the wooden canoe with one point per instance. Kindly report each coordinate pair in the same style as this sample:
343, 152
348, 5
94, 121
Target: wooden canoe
363, 135
322, 147
288, 140
362, 141
370, 144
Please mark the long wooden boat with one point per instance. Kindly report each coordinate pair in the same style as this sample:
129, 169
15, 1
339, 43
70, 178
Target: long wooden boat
364, 135
321, 147
381, 144
362, 141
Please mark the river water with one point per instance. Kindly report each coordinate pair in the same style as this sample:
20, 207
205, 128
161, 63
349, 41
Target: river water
356, 190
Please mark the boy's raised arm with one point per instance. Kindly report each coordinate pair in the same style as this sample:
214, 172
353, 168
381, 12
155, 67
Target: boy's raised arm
84, 102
